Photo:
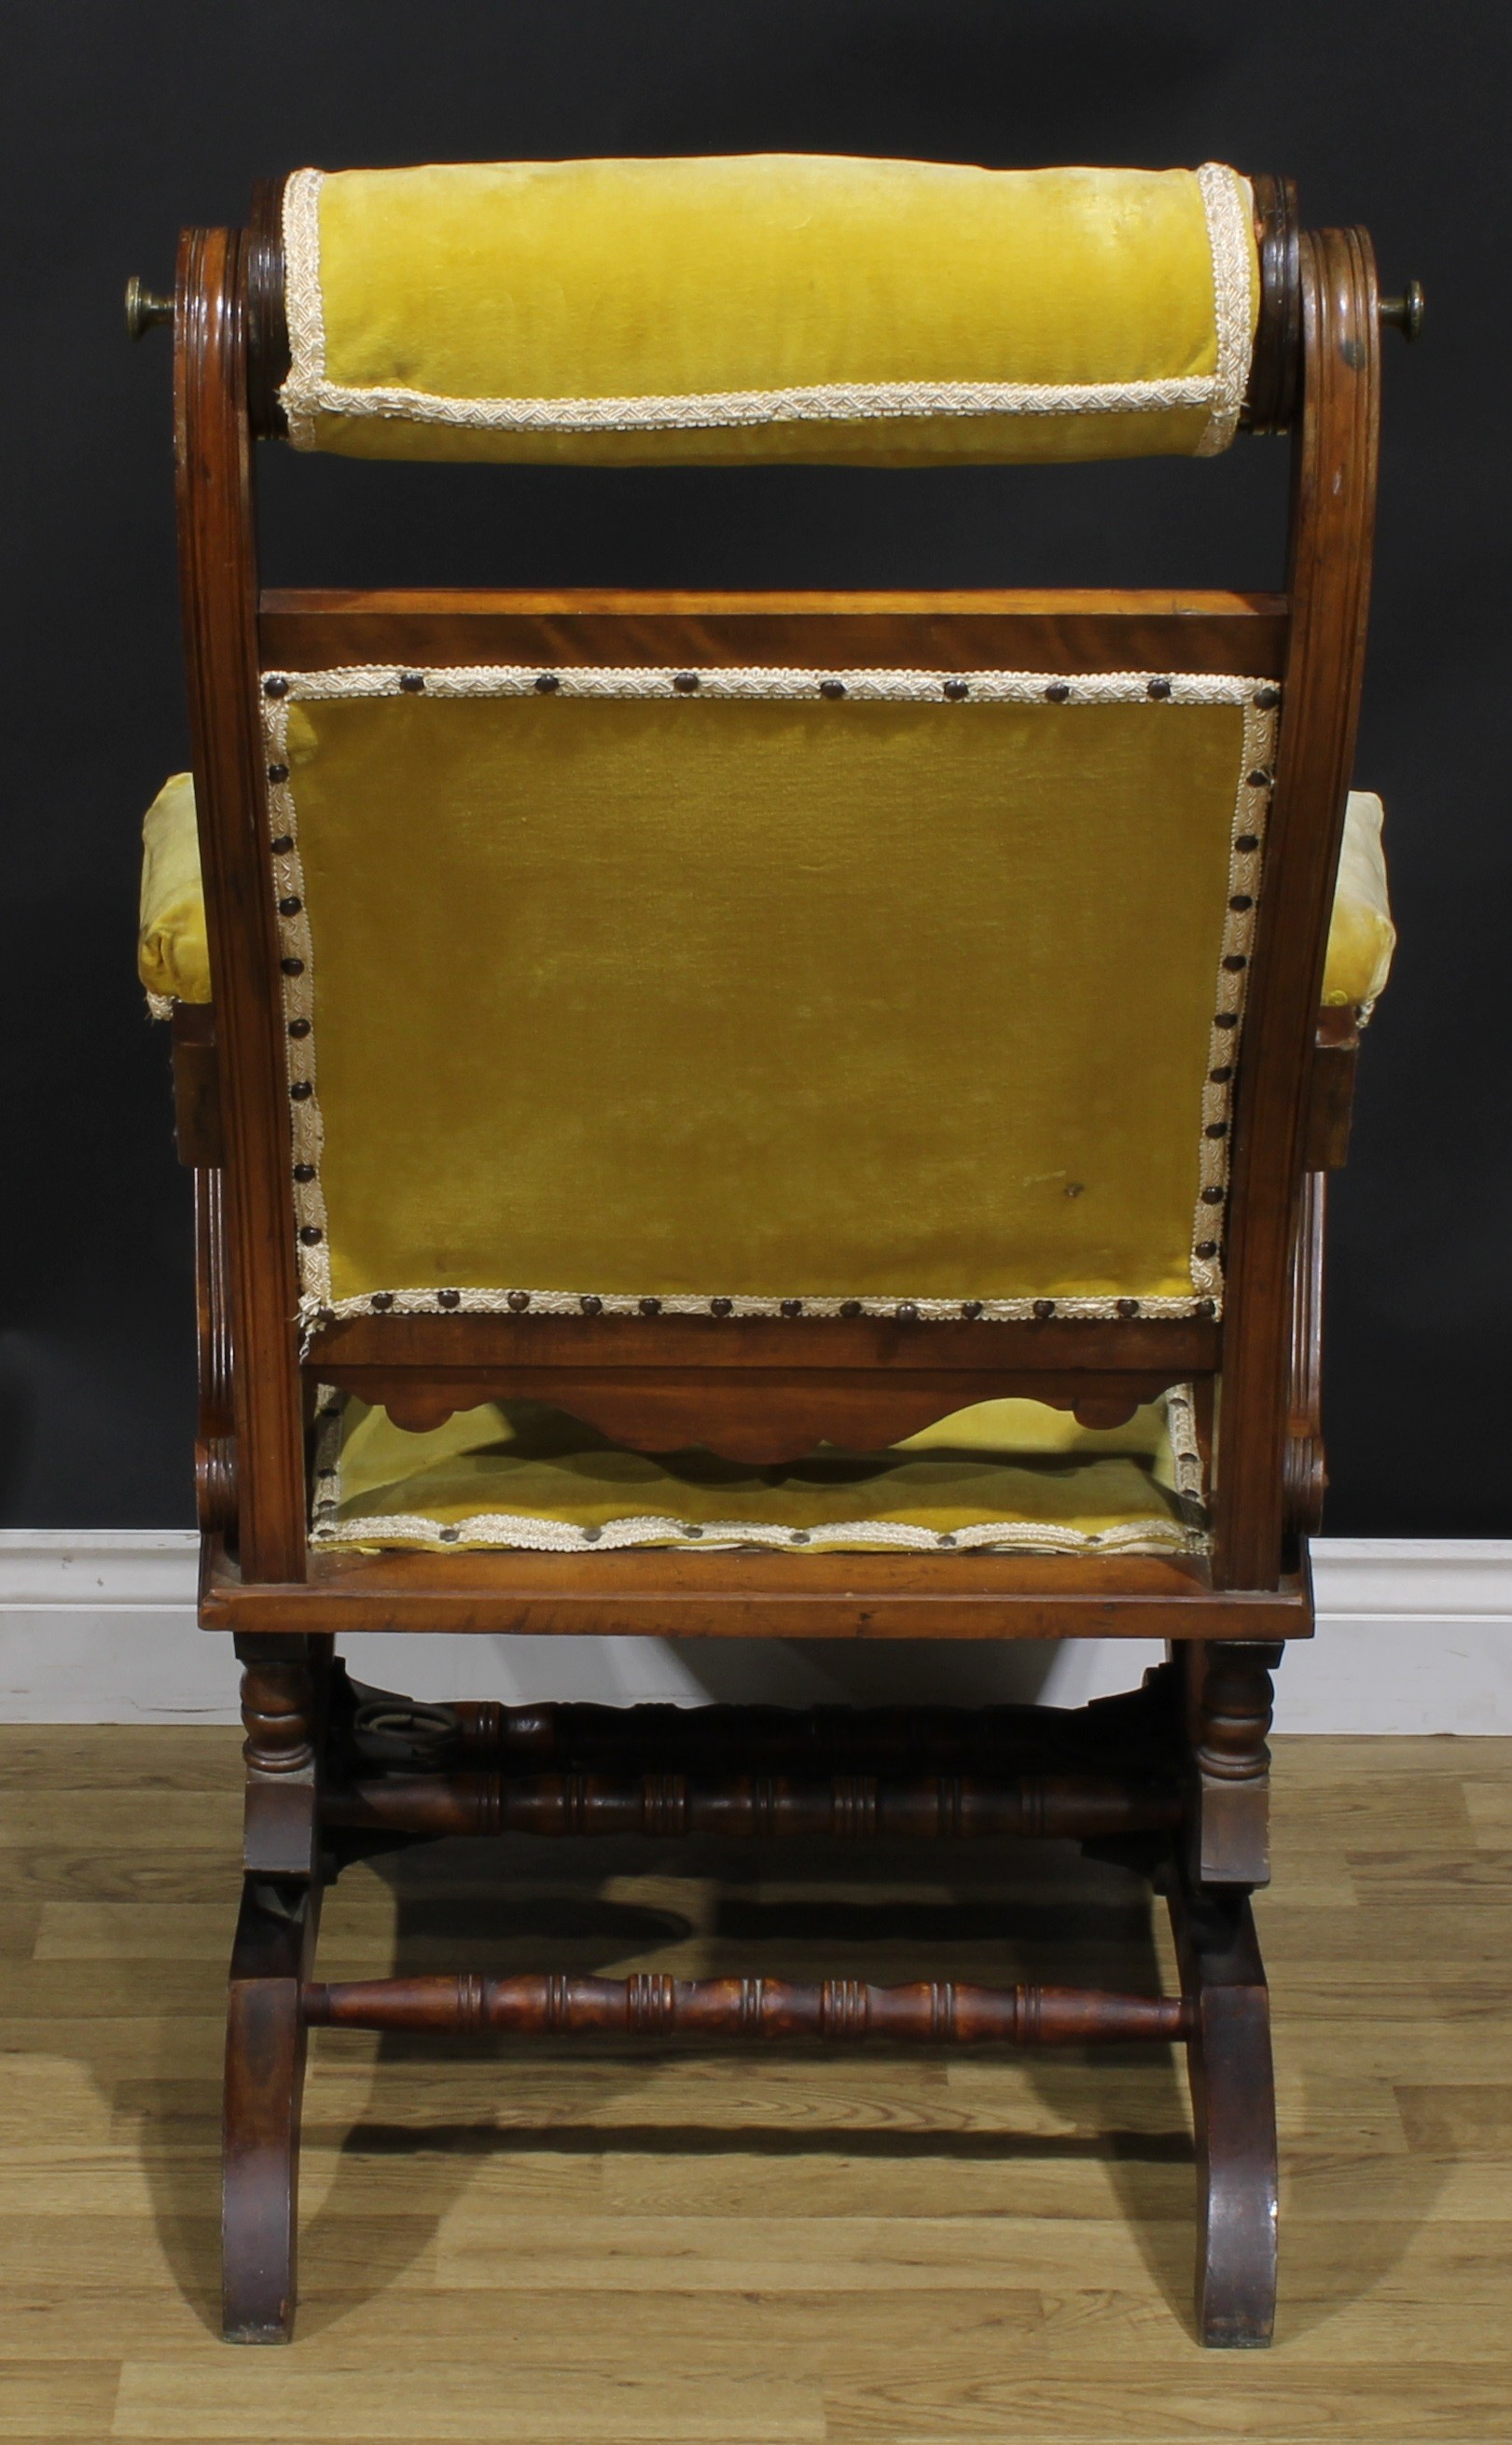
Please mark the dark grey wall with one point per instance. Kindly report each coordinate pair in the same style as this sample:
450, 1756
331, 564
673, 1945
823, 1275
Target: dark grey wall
125, 121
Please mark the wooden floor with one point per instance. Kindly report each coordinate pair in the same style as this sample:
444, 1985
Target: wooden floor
865, 2251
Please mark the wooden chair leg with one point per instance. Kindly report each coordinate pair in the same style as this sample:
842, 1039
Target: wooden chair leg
265, 2082
283, 1709
1228, 2060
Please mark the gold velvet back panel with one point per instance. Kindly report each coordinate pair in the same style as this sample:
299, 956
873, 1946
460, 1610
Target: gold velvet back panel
756, 993
772, 305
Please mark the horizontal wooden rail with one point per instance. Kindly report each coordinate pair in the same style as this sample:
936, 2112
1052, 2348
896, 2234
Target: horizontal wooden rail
936, 1806
575, 1737
842, 2009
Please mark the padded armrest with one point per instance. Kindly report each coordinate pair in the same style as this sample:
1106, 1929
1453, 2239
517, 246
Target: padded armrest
1361, 937
173, 956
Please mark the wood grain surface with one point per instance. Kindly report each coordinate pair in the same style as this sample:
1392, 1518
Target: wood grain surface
609, 2244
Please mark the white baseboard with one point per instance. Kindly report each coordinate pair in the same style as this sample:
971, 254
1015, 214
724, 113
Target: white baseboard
1414, 1635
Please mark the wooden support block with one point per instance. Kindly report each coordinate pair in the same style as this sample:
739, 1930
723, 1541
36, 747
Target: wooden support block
1232, 1715
196, 1086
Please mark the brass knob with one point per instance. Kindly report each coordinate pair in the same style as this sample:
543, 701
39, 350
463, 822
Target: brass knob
1404, 313
145, 308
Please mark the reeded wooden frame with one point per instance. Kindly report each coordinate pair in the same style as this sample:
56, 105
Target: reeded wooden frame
748, 1383
1175, 1773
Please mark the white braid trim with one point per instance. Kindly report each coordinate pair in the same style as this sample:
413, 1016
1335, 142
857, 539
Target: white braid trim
307, 394
1228, 203
304, 307
765, 680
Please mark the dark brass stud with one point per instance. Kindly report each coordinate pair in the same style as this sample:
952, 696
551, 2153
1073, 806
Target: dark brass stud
1247, 844
277, 773
1128, 1307
906, 1311
303, 1171
1207, 1307
311, 1234
1225, 1018
282, 846
590, 1303
1267, 698
1044, 1308
650, 1307
851, 1307
293, 967
1208, 1247
692, 1533
1212, 1196
721, 1306
687, 682
299, 1027
448, 1298
1234, 960
325, 1315
450, 1536
519, 1301
957, 689
1222, 1075
792, 1307
944, 1538
799, 1537
276, 687
971, 1308
1216, 1130
292, 906
1157, 687
592, 1536
1241, 901
1058, 692
547, 684
1262, 779
412, 682
832, 688
382, 1301
301, 1090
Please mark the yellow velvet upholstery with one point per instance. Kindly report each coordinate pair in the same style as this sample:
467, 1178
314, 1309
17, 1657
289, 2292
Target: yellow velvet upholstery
685, 997
1361, 937
778, 306
1003, 1473
173, 954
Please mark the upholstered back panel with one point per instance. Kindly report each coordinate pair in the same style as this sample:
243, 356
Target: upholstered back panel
757, 986
776, 306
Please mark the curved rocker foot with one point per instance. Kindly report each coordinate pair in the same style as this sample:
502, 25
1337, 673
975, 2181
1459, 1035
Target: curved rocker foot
265, 2080
1234, 2114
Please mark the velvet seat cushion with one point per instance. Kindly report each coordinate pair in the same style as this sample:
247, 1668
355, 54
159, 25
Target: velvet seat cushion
767, 306
173, 955
1006, 1474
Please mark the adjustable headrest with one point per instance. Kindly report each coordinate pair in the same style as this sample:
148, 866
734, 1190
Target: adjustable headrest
767, 306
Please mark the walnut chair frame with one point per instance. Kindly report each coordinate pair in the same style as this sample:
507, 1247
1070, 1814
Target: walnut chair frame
1172, 1777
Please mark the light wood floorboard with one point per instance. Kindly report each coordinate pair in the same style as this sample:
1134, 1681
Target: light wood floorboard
599, 2246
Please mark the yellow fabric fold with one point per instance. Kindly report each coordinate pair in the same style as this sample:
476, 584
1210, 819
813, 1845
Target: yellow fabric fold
1361, 937
518, 1473
172, 952
790, 293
